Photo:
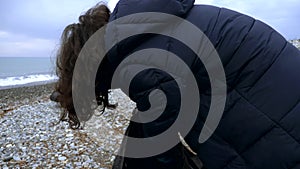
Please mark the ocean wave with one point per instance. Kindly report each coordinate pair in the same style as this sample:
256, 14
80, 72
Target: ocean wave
26, 79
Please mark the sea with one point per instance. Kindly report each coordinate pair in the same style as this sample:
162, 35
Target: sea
26, 71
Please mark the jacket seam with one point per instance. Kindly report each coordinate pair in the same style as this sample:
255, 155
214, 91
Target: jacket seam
218, 16
270, 66
291, 110
249, 146
273, 121
274, 125
244, 38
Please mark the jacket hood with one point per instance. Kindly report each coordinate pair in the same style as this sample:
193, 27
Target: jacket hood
174, 7
148, 22
114, 31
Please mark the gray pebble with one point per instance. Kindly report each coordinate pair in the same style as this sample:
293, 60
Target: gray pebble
7, 159
62, 158
16, 158
9, 145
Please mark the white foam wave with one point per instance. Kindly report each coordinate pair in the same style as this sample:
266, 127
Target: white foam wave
22, 80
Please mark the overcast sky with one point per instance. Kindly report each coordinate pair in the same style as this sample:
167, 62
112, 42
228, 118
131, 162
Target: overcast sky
31, 28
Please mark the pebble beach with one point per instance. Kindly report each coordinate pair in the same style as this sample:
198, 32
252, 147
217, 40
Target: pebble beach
33, 137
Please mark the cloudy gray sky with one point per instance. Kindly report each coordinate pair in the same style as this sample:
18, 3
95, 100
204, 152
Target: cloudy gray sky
31, 28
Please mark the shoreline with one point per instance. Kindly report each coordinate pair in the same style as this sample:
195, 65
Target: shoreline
41, 83
12, 98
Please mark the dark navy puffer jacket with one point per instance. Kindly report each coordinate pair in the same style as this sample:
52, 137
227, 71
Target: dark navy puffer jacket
260, 127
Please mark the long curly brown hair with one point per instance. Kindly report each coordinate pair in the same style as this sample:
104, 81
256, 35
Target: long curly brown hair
73, 39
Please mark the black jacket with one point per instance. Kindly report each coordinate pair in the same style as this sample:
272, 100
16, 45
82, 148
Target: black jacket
260, 126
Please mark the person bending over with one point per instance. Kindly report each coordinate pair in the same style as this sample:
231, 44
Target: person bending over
260, 124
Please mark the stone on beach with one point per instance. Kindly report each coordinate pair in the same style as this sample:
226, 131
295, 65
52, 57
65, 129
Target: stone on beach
32, 138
